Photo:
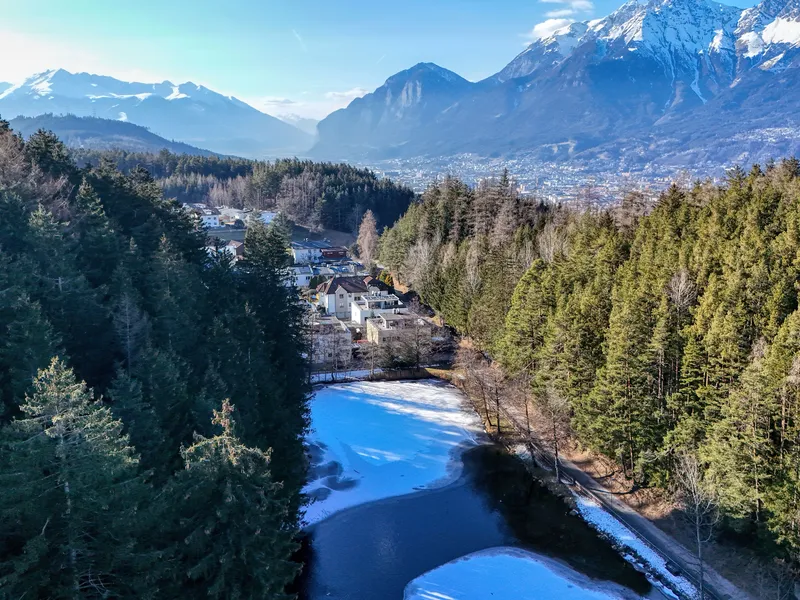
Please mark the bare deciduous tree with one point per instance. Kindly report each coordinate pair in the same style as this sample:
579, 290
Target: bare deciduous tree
130, 324
700, 508
526, 255
555, 409
419, 261
368, 239
473, 268
682, 290
472, 363
552, 242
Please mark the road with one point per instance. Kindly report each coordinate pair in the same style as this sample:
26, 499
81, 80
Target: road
716, 587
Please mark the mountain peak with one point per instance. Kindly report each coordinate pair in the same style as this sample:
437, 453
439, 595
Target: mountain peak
423, 70
187, 112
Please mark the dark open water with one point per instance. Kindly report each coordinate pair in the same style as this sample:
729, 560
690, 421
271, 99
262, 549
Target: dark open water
371, 552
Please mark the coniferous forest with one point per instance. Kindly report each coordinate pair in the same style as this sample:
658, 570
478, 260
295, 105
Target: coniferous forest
153, 404
316, 195
670, 329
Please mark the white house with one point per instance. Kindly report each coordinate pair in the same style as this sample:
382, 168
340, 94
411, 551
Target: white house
307, 251
373, 305
300, 276
207, 215
331, 342
229, 216
387, 329
337, 294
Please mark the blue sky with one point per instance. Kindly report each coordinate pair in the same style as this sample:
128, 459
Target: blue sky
306, 57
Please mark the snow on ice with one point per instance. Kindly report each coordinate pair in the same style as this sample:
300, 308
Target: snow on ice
506, 573
603, 521
371, 441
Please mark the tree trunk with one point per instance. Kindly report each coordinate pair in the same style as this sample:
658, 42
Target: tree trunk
555, 448
700, 558
72, 551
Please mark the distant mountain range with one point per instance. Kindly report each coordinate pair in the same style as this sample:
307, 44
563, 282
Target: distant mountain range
188, 112
101, 134
683, 82
305, 124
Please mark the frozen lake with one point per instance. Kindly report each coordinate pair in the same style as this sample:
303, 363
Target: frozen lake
411, 498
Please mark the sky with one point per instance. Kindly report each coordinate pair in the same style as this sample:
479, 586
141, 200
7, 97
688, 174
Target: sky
286, 57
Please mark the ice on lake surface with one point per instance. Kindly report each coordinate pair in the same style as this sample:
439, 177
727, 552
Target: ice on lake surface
509, 573
377, 440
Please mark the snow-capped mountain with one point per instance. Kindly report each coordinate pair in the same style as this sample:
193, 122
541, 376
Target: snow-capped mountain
607, 87
768, 34
187, 112
544, 53
4, 85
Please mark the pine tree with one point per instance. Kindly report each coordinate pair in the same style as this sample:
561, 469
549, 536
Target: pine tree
232, 526
27, 346
70, 495
97, 251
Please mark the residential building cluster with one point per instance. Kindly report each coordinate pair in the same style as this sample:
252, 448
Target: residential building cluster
366, 308
348, 309
212, 217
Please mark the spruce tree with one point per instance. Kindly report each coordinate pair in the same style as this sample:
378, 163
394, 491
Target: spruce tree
229, 523
70, 495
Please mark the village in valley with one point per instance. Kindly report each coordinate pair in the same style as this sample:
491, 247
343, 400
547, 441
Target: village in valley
357, 320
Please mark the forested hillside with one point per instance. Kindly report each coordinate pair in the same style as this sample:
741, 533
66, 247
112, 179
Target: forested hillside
101, 134
316, 195
669, 335
153, 399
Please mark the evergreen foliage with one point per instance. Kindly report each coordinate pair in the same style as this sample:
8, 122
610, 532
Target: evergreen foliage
671, 329
119, 337
315, 195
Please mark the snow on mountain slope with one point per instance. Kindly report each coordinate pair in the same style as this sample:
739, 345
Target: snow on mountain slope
544, 52
648, 67
768, 35
689, 40
188, 112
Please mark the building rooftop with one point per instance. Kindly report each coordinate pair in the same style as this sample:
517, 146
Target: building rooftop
328, 322
391, 298
388, 320
311, 245
352, 285
376, 283
201, 209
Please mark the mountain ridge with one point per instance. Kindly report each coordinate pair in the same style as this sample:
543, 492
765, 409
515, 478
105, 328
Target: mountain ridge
188, 112
648, 69
102, 134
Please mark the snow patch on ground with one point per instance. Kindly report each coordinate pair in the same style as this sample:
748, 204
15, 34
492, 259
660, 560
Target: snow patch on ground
507, 573
639, 551
376, 440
